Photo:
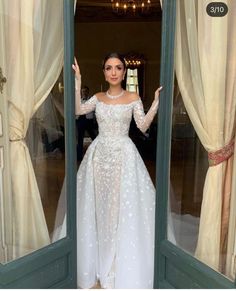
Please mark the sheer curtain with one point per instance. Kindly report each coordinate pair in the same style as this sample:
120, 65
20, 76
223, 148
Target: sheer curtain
34, 55
206, 74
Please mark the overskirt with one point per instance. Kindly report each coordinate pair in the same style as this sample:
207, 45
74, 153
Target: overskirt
128, 251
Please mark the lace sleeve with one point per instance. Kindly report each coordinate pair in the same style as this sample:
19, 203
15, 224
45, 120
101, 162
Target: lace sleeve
143, 121
87, 106
83, 108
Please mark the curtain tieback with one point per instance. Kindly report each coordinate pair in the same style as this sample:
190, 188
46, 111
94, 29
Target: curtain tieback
17, 139
219, 156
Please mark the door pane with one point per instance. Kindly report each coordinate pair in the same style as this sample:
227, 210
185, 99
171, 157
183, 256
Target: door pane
32, 160
202, 175
46, 142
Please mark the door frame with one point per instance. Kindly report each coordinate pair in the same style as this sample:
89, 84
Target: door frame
174, 268
54, 266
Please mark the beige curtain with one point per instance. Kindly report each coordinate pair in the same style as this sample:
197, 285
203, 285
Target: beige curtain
206, 74
231, 247
34, 53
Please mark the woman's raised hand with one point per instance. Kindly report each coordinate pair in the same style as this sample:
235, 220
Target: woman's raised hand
76, 68
157, 93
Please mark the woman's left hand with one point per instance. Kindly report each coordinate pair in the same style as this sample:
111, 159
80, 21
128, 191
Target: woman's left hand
157, 93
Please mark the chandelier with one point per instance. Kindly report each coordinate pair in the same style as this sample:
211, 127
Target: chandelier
121, 7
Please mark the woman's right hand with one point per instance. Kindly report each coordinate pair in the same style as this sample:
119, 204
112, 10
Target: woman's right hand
76, 68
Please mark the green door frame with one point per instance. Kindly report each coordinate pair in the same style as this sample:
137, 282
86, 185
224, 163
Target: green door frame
54, 266
174, 268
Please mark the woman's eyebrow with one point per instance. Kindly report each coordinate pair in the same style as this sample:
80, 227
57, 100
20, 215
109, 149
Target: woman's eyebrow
109, 66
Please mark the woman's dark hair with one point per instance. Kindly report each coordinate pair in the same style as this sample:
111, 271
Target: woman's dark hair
114, 55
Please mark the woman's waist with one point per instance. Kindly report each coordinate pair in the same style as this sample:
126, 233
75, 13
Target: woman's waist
112, 140
113, 135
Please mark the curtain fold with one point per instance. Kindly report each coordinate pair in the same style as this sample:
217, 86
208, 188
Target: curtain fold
34, 54
231, 243
205, 70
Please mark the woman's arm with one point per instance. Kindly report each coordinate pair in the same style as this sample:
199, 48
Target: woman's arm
90, 104
143, 120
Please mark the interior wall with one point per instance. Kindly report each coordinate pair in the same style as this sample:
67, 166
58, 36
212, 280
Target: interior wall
94, 40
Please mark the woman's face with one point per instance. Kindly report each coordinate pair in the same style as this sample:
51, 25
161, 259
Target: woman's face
114, 71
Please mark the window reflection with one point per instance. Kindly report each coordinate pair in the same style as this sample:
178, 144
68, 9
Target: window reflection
46, 146
37, 61
203, 136
188, 168
45, 139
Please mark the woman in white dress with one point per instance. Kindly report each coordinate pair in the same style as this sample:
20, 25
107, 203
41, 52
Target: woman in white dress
115, 195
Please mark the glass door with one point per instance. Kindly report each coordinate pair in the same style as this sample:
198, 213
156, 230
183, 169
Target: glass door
197, 182
37, 146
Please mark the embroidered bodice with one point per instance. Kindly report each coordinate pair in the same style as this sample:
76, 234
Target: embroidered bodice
114, 119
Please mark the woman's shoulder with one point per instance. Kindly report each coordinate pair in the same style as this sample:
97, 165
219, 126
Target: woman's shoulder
132, 96
99, 95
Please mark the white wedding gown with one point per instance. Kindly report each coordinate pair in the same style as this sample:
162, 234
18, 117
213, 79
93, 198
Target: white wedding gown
115, 202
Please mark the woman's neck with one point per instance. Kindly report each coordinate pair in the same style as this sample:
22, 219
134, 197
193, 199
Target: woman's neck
115, 90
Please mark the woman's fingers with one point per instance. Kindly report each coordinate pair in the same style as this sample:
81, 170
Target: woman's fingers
157, 93
158, 90
75, 67
76, 63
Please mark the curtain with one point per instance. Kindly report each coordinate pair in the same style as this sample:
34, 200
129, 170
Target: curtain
231, 246
206, 73
34, 55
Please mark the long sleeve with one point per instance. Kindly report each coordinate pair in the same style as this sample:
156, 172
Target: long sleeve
83, 108
143, 120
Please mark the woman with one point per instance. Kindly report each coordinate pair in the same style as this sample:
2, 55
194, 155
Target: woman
115, 195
